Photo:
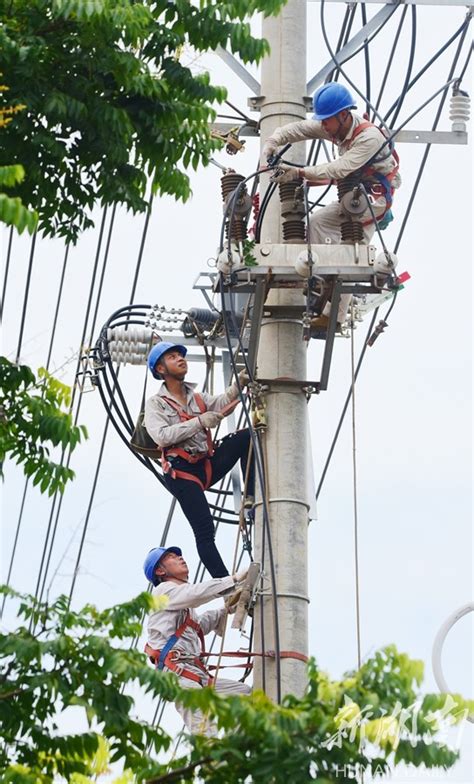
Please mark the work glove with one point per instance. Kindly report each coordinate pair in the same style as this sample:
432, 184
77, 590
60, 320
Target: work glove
269, 148
233, 391
244, 378
285, 173
210, 419
239, 577
232, 601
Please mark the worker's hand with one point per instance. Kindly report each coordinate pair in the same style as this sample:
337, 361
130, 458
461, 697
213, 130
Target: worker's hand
285, 173
232, 601
210, 419
244, 378
239, 577
269, 148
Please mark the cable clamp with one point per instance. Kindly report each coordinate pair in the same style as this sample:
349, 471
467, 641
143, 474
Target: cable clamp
377, 331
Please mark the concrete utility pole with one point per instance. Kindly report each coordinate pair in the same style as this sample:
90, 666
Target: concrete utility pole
282, 353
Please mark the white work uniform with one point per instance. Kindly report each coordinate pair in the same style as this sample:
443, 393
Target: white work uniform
164, 623
325, 224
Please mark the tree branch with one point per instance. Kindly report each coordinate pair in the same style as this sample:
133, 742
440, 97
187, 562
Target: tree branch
174, 774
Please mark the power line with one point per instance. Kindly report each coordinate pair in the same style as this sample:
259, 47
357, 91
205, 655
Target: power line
390, 59
259, 465
411, 59
339, 66
115, 388
406, 216
428, 146
26, 298
344, 408
52, 529
27, 481
7, 267
354, 494
366, 59
460, 31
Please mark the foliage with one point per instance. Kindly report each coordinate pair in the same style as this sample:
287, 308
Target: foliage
108, 102
12, 211
248, 253
374, 718
73, 661
371, 721
32, 421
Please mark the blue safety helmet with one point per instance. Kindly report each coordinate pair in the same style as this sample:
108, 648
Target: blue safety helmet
330, 99
157, 352
152, 560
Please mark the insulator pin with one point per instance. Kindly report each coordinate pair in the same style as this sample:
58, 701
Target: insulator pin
459, 110
130, 334
203, 317
293, 211
236, 205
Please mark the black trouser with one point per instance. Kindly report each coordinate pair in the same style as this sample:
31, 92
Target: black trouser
193, 502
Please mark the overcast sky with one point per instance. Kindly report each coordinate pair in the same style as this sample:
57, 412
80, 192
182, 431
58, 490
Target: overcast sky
414, 401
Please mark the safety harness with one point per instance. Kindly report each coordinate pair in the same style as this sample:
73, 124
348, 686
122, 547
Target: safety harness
175, 660
384, 187
169, 658
176, 451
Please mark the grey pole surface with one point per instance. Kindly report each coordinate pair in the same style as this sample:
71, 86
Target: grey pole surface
282, 353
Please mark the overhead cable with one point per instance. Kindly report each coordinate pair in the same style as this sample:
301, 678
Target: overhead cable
52, 529
460, 31
27, 480
388, 67
428, 146
116, 388
26, 297
411, 59
259, 465
5, 277
354, 495
338, 65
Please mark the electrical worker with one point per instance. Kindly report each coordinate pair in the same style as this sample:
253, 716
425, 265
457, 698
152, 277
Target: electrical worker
179, 420
176, 633
359, 144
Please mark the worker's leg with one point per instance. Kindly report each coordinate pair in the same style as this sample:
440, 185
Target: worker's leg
232, 448
195, 721
194, 504
325, 223
379, 206
225, 687
324, 226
